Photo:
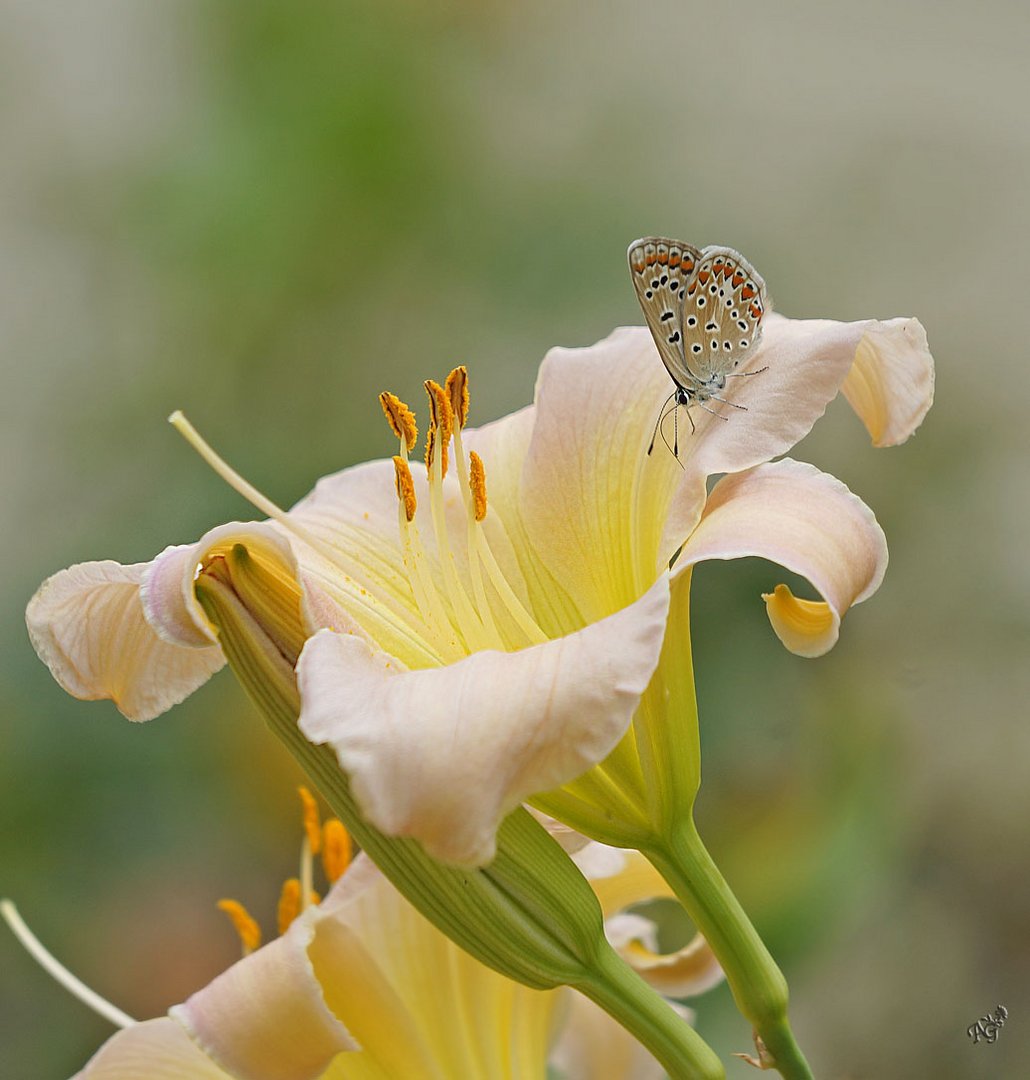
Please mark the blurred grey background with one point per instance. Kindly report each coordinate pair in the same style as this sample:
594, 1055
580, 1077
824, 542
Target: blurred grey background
201, 205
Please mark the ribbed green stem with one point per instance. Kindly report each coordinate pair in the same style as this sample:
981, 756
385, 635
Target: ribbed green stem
650, 1018
757, 984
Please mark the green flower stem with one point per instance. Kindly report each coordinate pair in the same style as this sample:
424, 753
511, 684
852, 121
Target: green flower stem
647, 1016
530, 914
758, 985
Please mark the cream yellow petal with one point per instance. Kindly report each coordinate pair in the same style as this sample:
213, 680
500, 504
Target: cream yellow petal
418, 1005
592, 500
503, 446
266, 1017
157, 1050
807, 521
88, 626
444, 754
891, 381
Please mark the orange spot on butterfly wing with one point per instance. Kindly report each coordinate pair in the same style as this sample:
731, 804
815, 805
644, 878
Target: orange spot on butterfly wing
738, 279
747, 292
703, 276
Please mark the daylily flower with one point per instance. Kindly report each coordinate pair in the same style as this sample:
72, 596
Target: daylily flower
362, 986
465, 654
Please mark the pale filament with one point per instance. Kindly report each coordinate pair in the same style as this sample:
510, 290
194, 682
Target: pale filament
57, 971
477, 622
469, 623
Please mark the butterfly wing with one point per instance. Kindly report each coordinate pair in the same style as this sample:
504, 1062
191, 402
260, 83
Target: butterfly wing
662, 270
723, 306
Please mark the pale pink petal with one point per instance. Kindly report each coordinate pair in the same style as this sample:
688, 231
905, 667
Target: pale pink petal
890, 384
157, 1050
443, 754
266, 1017
805, 520
88, 626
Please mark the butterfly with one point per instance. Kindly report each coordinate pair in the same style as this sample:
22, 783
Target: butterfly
704, 310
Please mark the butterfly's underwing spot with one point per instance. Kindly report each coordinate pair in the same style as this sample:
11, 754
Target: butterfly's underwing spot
673, 338
668, 315
692, 320
742, 324
696, 347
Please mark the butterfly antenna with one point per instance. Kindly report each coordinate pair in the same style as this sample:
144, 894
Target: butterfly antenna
662, 414
745, 374
671, 450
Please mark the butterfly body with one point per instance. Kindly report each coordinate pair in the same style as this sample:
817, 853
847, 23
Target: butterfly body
704, 309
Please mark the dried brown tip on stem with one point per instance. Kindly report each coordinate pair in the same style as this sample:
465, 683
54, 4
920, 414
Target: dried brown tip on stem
477, 484
458, 392
243, 923
400, 418
405, 484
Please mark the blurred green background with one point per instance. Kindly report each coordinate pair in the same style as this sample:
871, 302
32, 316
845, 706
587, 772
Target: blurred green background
201, 207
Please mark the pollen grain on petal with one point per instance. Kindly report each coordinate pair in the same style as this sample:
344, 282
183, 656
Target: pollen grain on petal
336, 849
406, 485
312, 822
458, 392
400, 418
289, 903
244, 924
477, 484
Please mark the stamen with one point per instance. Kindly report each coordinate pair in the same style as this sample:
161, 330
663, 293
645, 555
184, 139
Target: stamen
312, 824
458, 393
477, 485
336, 849
441, 425
243, 923
401, 420
289, 904
57, 971
405, 487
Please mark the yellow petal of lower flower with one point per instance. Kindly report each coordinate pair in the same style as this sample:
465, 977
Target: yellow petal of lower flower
416, 1003
266, 1017
156, 1049
804, 626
